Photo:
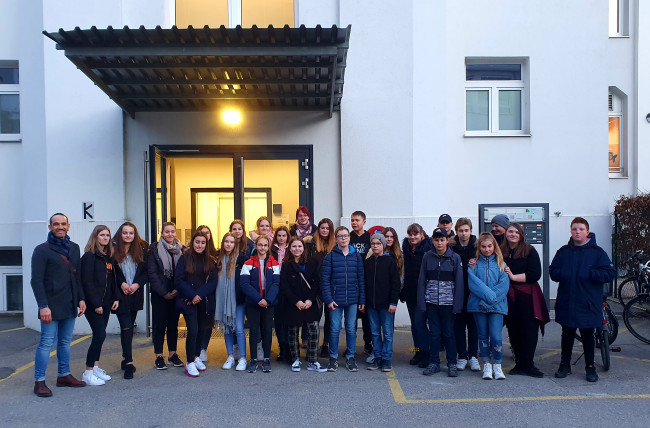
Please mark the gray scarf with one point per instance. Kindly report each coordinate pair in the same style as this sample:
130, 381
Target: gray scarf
226, 304
166, 252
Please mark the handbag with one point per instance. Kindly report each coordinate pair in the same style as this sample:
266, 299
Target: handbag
319, 301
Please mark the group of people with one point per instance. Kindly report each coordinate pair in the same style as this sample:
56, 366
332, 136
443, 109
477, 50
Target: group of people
459, 290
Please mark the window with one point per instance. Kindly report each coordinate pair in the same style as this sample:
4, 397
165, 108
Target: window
9, 101
231, 13
618, 18
496, 97
11, 289
617, 101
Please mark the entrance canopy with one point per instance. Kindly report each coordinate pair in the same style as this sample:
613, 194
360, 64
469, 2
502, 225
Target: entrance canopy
194, 69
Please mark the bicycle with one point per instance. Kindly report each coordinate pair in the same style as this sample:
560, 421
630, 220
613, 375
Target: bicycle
638, 276
636, 315
604, 336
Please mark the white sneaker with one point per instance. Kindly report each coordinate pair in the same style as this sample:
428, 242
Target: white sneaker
235, 352
498, 373
370, 359
92, 380
474, 365
316, 367
199, 364
229, 362
191, 371
241, 364
487, 371
295, 367
204, 355
100, 373
461, 364
260, 352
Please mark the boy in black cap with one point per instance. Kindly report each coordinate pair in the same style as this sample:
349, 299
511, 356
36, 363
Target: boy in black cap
440, 295
445, 222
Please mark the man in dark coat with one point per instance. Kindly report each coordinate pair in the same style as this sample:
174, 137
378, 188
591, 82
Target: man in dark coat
581, 268
58, 293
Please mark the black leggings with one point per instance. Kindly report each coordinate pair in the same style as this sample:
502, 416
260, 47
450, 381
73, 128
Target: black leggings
588, 344
164, 317
260, 322
127, 320
523, 329
98, 326
196, 327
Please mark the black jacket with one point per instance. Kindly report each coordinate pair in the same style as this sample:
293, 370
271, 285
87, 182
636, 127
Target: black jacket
135, 301
382, 281
99, 280
412, 262
293, 289
158, 283
466, 254
530, 265
55, 281
189, 286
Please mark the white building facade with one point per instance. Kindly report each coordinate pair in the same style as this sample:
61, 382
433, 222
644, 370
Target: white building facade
446, 105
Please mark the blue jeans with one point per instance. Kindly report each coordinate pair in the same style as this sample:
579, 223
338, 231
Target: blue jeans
441, 324
419, 329
240, 313
61, 329
336, 318
381, 325
490, 329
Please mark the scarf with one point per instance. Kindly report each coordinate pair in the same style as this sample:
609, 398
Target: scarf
169, 255
226, 305
64, 243
303, 231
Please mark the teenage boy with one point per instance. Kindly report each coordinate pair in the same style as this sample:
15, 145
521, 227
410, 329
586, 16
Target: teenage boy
440, 295
343, 288
500, 223
581, 268
445, 222
360, 240
466, 344
382, 292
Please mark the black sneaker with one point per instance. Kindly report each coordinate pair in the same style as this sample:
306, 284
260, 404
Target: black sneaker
160, 363
534, 372
563, 370
128, 371
591, 375
416, 359
252, 366
386, 366
176, 361
333, 365
431, 369
351, 365
375, 365
424, 360
516, 370
266, 365
325, 351
452, 370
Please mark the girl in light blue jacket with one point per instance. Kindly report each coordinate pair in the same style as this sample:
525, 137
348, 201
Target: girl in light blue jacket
488, 285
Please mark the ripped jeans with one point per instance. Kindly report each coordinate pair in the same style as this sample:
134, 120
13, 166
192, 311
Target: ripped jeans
490, 330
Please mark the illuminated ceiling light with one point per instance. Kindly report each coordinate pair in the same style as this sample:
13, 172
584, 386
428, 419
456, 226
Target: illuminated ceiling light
231, 117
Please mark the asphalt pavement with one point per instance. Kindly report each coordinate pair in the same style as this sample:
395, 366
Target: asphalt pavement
367, 398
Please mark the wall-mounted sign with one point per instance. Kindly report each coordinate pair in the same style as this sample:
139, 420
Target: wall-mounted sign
88, 210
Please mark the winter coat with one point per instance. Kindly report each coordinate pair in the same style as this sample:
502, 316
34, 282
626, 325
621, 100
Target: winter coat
190, 286
250, 278
382, 281
241, 259
312, 229
581, 272
440, 272
55, 279
488, 287
412, 263
466, 254
158, 283
294, 289
531, 266
99, 280
342, 278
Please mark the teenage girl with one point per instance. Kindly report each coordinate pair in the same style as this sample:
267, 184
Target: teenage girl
163, 258
205, 341
100, 288
196, 281
245, 248
131, 254
260, 278
228, 314
392, 247
278, 252
317, 249
264, 228
488, 285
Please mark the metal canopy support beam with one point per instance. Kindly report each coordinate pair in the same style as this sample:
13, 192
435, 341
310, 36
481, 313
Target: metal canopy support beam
258, 82
96, 65
185, 51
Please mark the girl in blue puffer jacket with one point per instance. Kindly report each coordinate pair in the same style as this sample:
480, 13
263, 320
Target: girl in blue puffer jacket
488, 285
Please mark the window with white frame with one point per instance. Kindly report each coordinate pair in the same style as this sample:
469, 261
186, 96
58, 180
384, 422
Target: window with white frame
231, 13
9, 101
618, 18
496, 97
11, 289
617, 155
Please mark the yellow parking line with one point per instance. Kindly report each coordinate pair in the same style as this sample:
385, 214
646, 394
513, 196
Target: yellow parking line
53, 353
13, 329
400, 397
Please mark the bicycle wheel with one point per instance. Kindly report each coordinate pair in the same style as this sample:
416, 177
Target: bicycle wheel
603, 341
628, 290
636, 316
612, 325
